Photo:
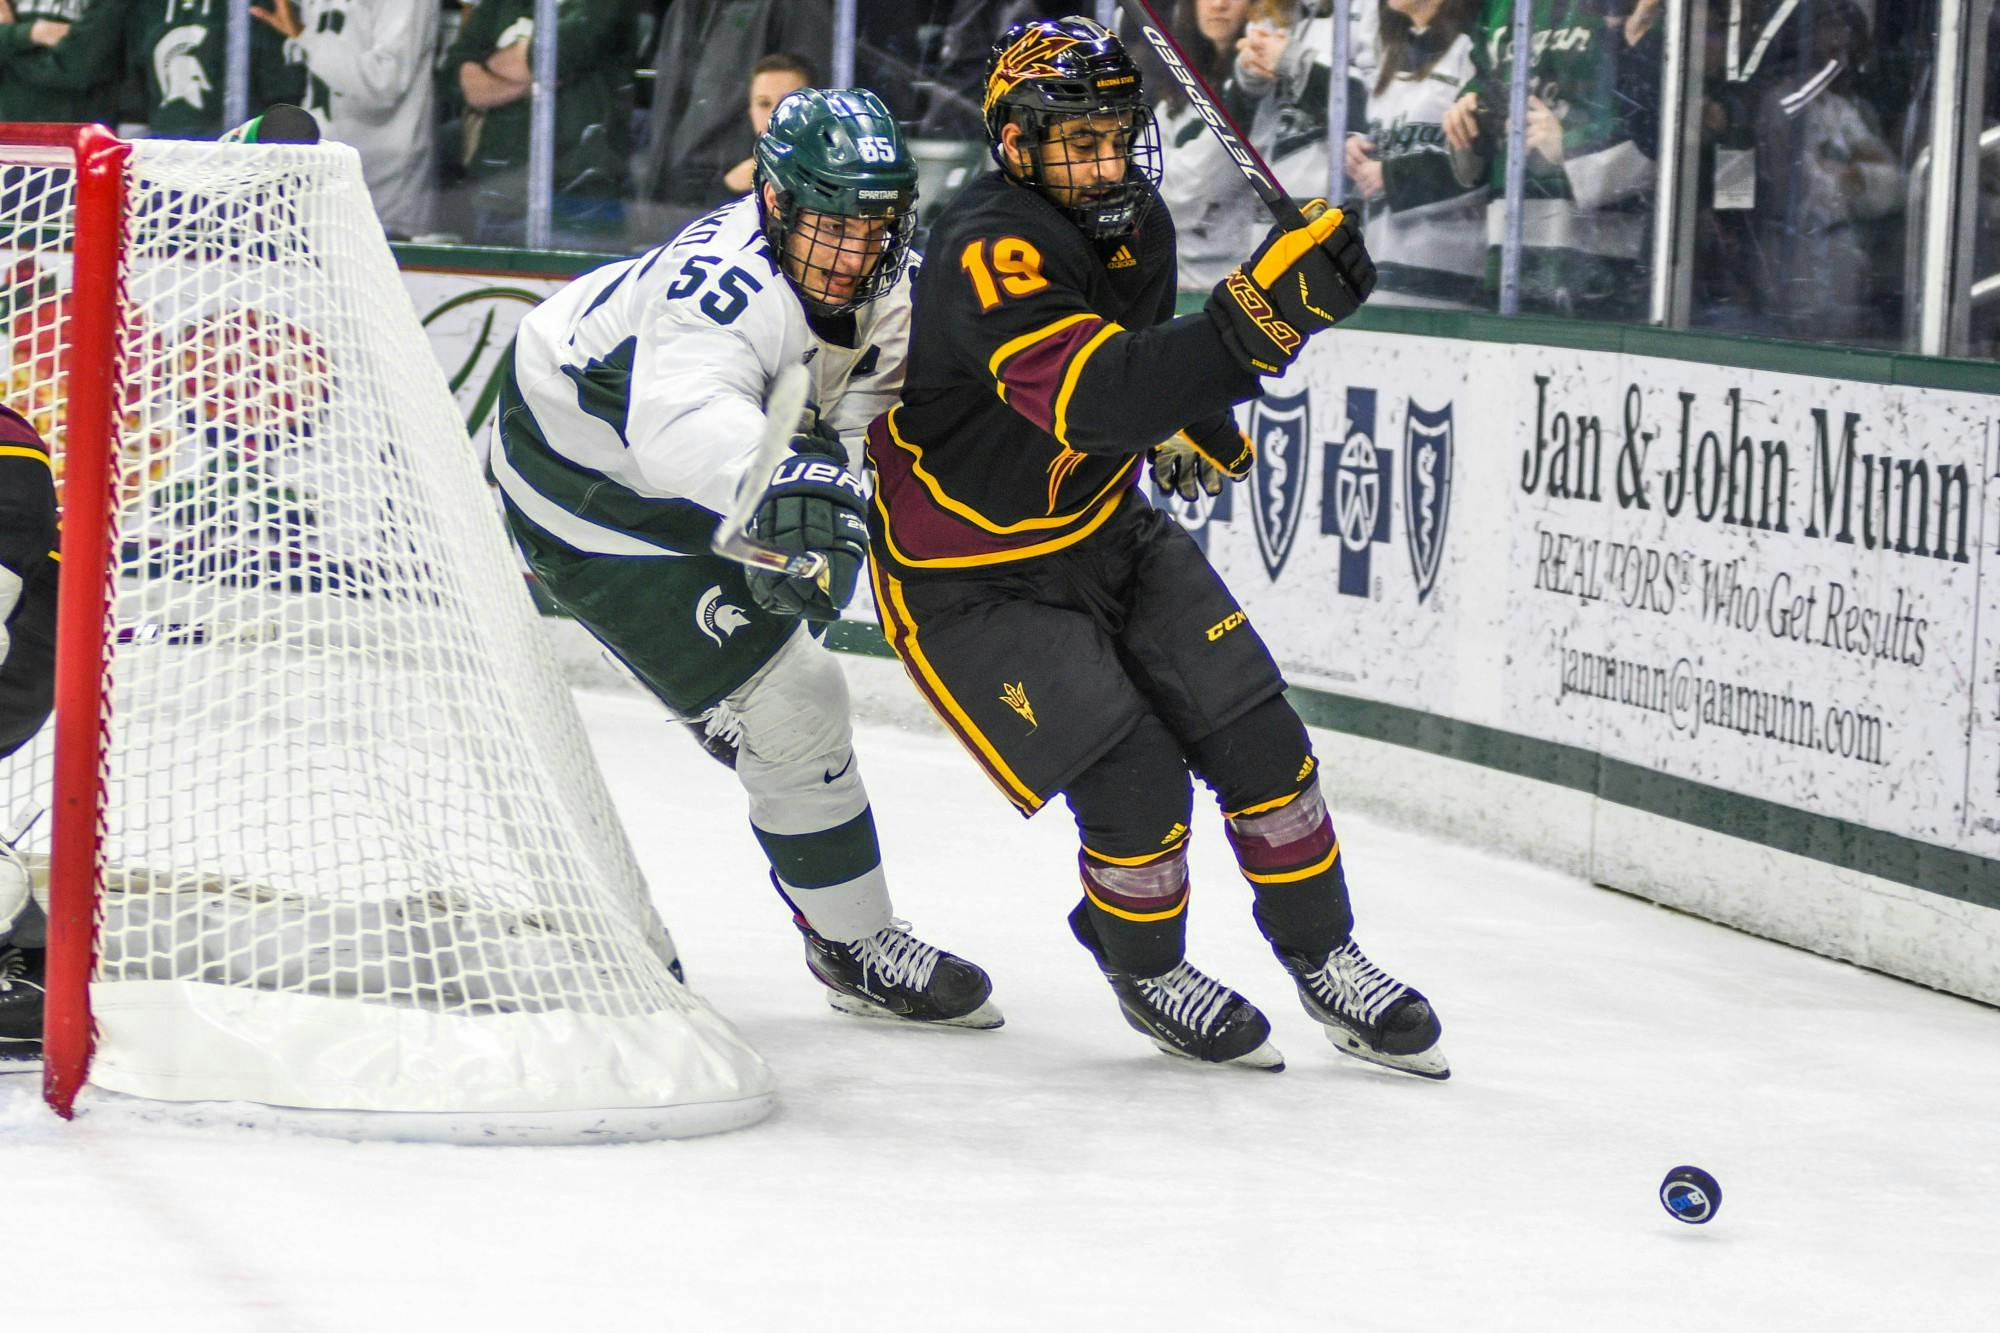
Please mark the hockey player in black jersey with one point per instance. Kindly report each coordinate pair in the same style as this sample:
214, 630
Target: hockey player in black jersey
28, 569
1071, 635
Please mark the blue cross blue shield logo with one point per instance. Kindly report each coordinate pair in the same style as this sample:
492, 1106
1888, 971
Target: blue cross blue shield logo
1354, 501
1427, 459
1281, 428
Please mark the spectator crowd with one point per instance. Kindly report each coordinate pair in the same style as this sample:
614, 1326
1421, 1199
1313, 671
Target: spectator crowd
1811, 132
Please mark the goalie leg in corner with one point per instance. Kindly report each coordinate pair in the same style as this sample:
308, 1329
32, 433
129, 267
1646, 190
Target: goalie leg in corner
28, 570
629, 415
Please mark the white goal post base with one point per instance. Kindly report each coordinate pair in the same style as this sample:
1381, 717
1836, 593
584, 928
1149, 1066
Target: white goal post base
176, 1040
498, 1129
330, 1066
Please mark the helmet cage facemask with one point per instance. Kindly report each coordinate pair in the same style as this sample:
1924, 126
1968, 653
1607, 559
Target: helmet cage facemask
1118, 210
890, 260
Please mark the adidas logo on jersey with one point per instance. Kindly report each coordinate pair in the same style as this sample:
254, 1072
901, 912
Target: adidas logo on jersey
1122, 259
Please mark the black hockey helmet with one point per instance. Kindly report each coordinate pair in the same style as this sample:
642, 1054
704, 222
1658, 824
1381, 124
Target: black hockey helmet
838, 152
1046, 71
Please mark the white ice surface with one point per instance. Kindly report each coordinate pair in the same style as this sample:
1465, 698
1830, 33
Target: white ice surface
1059, 1174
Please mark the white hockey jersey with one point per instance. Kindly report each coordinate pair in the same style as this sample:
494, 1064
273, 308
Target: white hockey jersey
1426, 230
651, 373
368, 83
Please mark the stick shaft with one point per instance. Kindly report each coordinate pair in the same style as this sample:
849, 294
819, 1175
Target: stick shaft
1254, 168
732, 535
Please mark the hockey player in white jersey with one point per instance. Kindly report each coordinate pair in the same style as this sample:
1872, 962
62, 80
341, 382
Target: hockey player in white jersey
632, 407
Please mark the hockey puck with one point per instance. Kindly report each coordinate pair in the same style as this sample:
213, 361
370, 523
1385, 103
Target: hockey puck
1691, 1195
280, 123
284, 123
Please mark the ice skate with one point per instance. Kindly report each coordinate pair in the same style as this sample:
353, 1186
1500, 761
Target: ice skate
1368, 1013
20, 1008
1184, 1011
893, 974
1192, 1015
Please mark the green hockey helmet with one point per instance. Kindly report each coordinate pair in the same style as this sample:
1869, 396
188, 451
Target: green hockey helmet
837, 153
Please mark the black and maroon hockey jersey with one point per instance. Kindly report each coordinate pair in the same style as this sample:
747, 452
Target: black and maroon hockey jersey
1043, 366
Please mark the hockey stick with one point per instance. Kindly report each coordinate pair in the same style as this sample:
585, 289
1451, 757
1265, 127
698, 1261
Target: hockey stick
1254, 168
732, 539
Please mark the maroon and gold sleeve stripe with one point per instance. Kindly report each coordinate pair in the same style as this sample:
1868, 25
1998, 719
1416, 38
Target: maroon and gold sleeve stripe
1036, 373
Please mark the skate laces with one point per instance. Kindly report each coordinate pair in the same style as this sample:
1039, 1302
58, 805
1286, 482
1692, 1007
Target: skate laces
897, 957
722, 723
1186, 996
13, 970
1347, 981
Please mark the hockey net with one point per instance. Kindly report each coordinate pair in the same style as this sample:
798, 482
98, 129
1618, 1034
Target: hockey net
317, 790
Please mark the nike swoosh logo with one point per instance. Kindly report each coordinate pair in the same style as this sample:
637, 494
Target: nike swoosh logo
835, 776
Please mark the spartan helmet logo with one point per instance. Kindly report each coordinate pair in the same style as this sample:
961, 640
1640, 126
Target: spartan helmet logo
178, 69
716, 618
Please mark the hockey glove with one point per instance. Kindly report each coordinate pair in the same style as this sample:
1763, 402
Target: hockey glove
813, 503
10, 593
1298, 282
1199, 459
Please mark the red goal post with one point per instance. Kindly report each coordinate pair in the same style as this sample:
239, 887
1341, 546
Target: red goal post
97, 158
325, 832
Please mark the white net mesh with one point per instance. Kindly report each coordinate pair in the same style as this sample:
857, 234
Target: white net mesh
341, 764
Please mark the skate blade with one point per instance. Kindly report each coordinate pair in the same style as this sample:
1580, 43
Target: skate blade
1265, 1059
1424, 1064
984, 1018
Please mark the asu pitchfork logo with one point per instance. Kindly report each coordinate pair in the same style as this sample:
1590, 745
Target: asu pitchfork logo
1015, 696
1032, 57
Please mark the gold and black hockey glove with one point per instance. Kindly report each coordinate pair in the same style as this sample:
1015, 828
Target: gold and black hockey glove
1199, 459
1300, 281
812, 503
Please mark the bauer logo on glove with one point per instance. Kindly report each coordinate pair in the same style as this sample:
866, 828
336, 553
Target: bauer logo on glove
807, 469
812, 503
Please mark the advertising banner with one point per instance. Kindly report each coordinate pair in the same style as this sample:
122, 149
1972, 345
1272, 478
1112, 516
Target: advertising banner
1781, 586
471, 318
1765, 583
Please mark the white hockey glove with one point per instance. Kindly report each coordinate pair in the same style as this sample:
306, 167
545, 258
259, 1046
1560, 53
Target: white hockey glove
15, 888
10, 595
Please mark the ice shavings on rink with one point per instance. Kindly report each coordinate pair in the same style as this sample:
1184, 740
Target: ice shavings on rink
1059, 1173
